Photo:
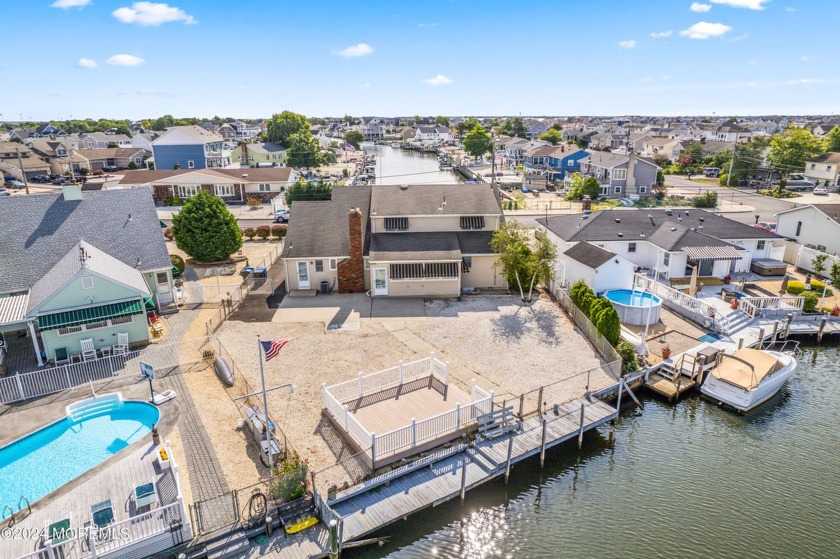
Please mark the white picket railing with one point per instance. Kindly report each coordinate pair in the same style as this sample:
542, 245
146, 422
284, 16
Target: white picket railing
347, 420
389, 378
681, 300
757, 306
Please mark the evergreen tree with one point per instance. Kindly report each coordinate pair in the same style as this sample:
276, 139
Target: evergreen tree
205, 229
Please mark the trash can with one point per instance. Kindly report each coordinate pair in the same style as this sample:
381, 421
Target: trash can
325, 287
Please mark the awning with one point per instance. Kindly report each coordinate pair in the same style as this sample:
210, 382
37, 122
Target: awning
13, 308
89, 315
713, 253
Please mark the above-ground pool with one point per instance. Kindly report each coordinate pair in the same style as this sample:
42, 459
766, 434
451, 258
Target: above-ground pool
93, 430
633, 306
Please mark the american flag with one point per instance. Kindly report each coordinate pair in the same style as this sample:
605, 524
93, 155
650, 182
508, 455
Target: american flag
272, 348
348, 147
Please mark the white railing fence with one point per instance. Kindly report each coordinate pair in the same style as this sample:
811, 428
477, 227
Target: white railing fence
765, 306
389, 378
805, 257
701, 310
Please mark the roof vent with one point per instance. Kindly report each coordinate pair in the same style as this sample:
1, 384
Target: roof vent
642, 235
701, 227
702, 219
618, 220
621, 234
673, 228
403, 187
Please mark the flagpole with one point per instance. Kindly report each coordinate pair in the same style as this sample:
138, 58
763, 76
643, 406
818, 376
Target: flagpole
266, 420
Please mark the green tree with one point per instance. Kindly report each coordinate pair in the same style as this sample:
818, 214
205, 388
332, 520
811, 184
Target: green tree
205, 229
519, 262
582, 296
163, 122
582, 143
553, 137
557, 126
697, 152
280, 127
466, 125
123, 129
442, 121
304, 150
477, 142
354, 138
308, 191
789, 151
579, 187
832, 140
818, 263
514, 127
835, 273
608, 324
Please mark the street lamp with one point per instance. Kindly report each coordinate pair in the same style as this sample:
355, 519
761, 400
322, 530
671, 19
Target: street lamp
756, 219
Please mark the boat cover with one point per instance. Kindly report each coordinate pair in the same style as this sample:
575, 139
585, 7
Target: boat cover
739, 374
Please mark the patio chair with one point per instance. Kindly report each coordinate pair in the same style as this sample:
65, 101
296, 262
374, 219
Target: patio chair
145, 494
88, 349
58, 531
102, 515
121, 346
61, 356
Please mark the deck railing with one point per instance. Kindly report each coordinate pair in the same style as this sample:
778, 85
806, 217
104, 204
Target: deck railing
758, 306
682, 300
388, 378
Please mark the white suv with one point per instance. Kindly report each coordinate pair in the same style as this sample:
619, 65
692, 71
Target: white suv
281, 216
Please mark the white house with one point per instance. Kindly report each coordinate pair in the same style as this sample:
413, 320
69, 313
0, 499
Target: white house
824, 168
815, 226
433, 134
601, 269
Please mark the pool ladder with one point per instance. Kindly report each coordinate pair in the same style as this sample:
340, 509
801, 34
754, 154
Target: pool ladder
12, 515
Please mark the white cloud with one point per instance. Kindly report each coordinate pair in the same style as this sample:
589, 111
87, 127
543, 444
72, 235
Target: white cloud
661, 34
749, 4
705, 30
440, 79
366, 85
427, 24
86, 63
700, 8
790, 9
752, 61
804, 58
740, 38
64, 4
805, 81
627, 44
125, 60
646, 80
362, 49
154, 92
151, 13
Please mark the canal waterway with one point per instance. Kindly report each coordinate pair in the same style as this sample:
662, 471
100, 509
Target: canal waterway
398, 166
686, 480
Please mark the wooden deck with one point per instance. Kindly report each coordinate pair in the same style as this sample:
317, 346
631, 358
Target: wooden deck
668, 388
486, 460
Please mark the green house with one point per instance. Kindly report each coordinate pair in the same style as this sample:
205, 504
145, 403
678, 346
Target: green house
260, 155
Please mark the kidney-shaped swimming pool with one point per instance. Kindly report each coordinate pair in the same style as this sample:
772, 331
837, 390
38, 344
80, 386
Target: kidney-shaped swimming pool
93, 431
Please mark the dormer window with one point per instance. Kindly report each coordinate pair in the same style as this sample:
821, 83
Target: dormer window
396, 224
472, 222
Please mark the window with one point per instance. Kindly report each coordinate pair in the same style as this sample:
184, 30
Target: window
666, 260
162, 278
472, 222
190, 164
333, 263
466, 264
760, 245
187, 190
828, 168
87, 282
319, 265
642, 190
618, 190
604, 190
396, 224
631, 247
69, 330
798, 228
138, 160
265, 187
430, 270
570, 163
620, 174
224, 190
813, 166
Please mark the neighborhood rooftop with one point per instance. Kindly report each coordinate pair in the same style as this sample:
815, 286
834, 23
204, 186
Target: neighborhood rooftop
433, 199
226, 175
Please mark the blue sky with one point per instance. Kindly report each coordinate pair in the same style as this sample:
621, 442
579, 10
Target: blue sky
118, 58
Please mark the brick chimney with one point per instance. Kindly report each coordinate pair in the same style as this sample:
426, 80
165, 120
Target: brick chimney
351, 272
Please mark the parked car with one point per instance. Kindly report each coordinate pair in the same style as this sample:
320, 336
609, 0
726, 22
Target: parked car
767, 226
54, 176
711, 172
281, 216
5, 192
821, 190
798, 181
14, 183
41, 178
110, 168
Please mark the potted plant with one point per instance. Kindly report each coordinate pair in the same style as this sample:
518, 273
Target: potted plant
735, 303
727, 279
835, 311
163, 459
666, 351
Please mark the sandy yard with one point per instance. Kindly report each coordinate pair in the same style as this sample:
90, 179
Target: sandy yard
508, 347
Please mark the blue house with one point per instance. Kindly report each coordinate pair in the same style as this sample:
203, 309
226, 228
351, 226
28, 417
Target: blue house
191, 147
557, 159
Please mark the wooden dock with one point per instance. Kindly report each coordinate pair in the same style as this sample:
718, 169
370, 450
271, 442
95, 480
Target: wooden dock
457, 473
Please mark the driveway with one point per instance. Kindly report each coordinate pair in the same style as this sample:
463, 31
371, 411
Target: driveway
344, 309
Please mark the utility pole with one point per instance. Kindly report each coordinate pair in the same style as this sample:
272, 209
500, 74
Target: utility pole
22, 172
732, 162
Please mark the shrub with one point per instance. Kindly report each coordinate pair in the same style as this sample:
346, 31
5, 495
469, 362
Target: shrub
597, 306
132, 165
174, 201
817, 287
608, 324
168, 233
818, 263
205, 229
811, 301
263, 232
834, 273
290, 480
795, 287
723, 178
253, 201
179, 263
705, 200
776, 193
278, 231
629, 362
249, 232
98, 173
582, 296
84, 171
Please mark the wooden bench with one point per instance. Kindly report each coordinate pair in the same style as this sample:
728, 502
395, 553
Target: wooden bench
496, 423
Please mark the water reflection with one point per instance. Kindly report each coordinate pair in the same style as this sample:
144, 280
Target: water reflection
397, 166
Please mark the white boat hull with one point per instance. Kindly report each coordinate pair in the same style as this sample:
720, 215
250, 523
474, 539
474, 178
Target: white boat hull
745, 400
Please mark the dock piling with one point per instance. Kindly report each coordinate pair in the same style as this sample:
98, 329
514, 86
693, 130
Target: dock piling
740, 343
760, 337
580, 433
463, 479
333, 539
618, 400
542, 445
509, 456
787, 325
823, 321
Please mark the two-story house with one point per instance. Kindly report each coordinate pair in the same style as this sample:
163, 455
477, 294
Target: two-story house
17, 160
557, 160
101, 140
824, 169
667, 147
814, 226
620, 175
267, 154
238, 131
731, 133
82, 266
433, 134
373, 128
191, 147
395, 241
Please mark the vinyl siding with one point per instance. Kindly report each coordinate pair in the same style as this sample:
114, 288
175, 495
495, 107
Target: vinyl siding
167, 156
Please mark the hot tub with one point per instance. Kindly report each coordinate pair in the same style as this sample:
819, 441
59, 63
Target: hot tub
633, 306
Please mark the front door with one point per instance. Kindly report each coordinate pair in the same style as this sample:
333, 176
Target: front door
164, 290
706, 267
303, 275
380, 281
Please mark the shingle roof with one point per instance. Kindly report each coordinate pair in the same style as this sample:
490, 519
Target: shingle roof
433, 199
589, 254
605, 159
654, 226
262, 174
414, 247
475, 242
108, 153
830, 157
46, 227
321, 228
831, 210
187, 135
